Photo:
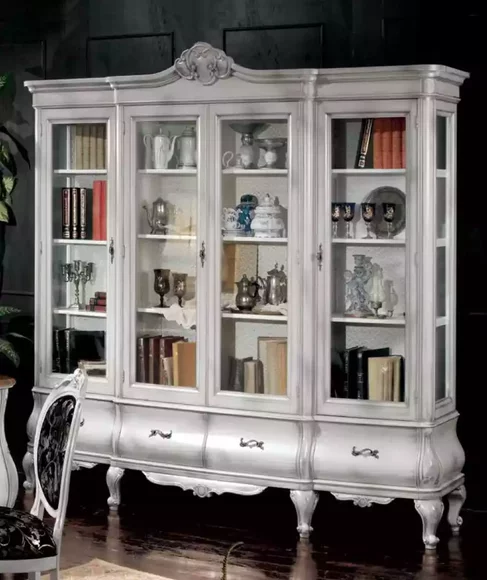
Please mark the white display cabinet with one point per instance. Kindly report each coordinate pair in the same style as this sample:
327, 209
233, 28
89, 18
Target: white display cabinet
271, 278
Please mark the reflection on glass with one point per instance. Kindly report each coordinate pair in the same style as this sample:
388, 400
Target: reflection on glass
441, 361
79, 230
441, 141
166, 222
254, 268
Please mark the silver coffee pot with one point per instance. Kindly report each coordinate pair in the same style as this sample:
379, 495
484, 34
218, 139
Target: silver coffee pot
275, 287
158, 219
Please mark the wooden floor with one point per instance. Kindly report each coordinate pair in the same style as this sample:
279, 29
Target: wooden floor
172, 533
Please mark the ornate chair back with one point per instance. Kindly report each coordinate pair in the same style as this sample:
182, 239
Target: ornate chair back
54, 443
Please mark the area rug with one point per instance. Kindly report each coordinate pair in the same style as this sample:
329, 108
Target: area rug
101, 570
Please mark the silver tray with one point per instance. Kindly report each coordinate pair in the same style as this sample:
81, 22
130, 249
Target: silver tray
387, 194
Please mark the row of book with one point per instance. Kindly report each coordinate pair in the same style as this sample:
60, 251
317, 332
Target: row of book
388, 138
89, 146
84, 212
70, 346
98, 303
370, 374
166, 360
266, 375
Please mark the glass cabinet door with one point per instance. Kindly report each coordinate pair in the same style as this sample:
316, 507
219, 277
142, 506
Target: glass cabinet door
78, 250
165, 183
254, 229
445, 278
366, 287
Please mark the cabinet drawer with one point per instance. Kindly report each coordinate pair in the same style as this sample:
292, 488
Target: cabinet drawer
252, 446
95, 432
162, 435
366, 454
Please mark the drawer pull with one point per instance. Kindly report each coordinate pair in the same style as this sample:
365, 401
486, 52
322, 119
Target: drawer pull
82, 422
252, 443
367, 452
154, 432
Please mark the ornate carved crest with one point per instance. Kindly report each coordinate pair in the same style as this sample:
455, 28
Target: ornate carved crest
204, 63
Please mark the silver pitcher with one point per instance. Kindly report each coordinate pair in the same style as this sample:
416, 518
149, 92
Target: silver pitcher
247, 293
275, 287
158, 219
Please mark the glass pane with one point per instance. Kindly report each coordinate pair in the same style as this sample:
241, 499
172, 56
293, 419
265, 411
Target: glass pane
441, 207
440, 388
368, 215
79, 256
166, 203
254, 267
378, 143
441, 142
441, 281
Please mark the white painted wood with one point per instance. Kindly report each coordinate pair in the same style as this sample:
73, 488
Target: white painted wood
307, 435
9, 479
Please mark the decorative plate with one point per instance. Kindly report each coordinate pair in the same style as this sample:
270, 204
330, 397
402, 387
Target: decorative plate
387, 194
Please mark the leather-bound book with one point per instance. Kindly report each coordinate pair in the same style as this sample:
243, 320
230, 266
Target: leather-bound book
396, 142
387, 144
363, 368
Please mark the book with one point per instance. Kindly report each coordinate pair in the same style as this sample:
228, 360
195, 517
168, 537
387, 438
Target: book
274, 362
253, 376
363, 368
184, 355
377, 142
82, 213
142, 371
75, 213
103, 211
365, 134
96, 210
396, 128
66, 213
350, 356
386, 378
387, 143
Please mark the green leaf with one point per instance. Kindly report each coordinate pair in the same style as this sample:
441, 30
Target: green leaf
9, 351
7, 310
4, 215
9, 184
21, 149
7, 159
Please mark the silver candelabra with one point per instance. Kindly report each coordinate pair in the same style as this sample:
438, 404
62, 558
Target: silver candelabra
77, 272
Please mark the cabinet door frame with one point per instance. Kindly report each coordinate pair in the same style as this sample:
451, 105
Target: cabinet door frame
47, 118
325, 404
130, 115
292, 403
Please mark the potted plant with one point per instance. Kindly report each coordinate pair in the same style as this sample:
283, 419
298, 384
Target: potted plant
8, 166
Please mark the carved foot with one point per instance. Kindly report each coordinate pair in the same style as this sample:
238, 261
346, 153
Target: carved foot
114, 475
28, 467
430, 511
305, 504
456, 499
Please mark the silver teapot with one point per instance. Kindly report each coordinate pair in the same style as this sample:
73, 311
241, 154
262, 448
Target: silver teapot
275, 287
247, 293
158, 219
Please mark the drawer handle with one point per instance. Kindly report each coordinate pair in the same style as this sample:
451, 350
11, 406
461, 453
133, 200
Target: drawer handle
367, 452
82, 422
252, 443
154, 432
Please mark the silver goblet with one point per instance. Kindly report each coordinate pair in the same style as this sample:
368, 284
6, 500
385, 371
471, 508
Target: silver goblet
161, 284
179, 286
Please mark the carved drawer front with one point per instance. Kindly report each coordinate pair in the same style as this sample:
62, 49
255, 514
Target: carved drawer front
162, 435
366, 454
252, 446
96, 427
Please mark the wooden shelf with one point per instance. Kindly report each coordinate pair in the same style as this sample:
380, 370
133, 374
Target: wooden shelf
80, 172
253, 240
84, 313
255, 317
394, 321
186, 171
174, 237
441, 243
254, 172
368, 171
441, 173
65, 242
441, 321
369, 242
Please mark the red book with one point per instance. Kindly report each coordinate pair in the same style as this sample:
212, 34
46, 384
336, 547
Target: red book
66, 212
96, 210
103, 211
396, 142
387, 144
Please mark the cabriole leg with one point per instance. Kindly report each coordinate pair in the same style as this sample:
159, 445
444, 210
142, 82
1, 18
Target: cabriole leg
28, 467
114, 475
456, 499
305, 504
430, 511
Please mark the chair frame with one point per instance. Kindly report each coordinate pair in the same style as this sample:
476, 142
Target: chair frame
75, 385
